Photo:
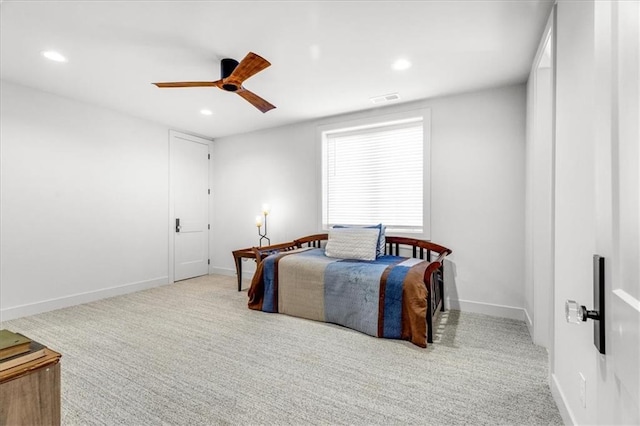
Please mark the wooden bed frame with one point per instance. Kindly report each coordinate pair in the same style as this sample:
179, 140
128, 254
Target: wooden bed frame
420, 249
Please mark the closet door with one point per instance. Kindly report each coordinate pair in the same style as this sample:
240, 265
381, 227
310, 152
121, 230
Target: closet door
189, 219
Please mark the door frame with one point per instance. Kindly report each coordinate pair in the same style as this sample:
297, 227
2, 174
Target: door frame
540, 191
175, 134
541, 325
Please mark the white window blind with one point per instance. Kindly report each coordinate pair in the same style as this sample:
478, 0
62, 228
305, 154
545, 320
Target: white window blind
375, 175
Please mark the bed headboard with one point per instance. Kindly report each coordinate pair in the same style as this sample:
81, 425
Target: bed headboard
420, 249
315, 240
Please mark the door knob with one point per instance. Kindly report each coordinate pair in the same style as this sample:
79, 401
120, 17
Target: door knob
177, 224
577, 313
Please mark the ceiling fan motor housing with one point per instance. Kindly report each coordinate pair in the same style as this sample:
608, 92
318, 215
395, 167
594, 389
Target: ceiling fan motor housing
227, 66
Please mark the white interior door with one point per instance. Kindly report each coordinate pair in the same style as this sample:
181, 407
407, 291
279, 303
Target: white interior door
190, 218
597, 185
624, 353
617, 60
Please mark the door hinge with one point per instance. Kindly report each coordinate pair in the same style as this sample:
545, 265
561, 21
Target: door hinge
208, 261
209, 191
208, 156
209, 226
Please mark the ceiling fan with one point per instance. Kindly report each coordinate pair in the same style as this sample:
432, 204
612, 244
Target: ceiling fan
233, 74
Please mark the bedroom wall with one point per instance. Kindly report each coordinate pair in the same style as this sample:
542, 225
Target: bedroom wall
85, 195
477, 195
84, 199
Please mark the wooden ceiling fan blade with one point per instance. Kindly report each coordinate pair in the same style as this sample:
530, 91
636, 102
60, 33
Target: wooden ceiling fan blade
255, 100
249, 66
216, 83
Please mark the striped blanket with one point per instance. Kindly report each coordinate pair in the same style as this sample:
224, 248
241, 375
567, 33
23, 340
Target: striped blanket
383, 298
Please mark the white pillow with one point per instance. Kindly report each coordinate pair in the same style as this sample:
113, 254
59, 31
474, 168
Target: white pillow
353, 243
381, 238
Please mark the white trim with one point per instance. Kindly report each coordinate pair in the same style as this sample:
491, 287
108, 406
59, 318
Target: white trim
225, 271
247, 276
628, 299
561, 402
502, 311
371, 119
171, 210
79, 298
527, 319
229, 272
541, 302
546, 35
211, 205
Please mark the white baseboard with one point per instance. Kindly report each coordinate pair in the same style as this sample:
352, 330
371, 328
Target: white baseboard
246, 275
527, 319
561, 402
529, 322
487, 308
222, 271
78, 299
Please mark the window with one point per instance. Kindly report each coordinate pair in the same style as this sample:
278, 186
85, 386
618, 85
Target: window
375, 173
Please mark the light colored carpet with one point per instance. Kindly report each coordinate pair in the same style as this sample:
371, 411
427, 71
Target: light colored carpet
192, 353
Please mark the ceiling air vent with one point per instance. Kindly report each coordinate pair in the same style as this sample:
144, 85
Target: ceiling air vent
385, 98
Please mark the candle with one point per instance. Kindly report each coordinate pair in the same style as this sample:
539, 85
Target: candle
266, 209
258, 221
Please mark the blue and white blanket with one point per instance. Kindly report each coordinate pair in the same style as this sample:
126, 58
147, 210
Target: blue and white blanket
386, 297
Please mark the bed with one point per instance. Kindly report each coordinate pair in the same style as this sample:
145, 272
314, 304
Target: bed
396, 295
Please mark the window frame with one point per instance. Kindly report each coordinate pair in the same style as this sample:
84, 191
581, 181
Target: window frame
354, 124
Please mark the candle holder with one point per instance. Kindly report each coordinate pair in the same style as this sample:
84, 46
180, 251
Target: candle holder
259, 223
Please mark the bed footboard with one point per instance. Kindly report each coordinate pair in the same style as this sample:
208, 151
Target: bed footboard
433, 275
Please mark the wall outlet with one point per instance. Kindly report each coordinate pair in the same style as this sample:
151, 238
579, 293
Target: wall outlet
583, 390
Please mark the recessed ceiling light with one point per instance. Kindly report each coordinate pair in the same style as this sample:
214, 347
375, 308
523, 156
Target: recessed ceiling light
401, 64
206, 112
54, 56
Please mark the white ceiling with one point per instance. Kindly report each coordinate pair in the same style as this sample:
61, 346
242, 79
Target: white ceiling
327, 57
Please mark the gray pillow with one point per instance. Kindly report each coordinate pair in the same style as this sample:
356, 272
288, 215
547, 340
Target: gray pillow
353, 243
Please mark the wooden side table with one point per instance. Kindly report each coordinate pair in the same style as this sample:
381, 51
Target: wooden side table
238, 255
30, 392
249, 253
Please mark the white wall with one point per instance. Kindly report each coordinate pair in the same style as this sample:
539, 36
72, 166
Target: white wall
85, 197
477, 195
574, 240
84, 202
